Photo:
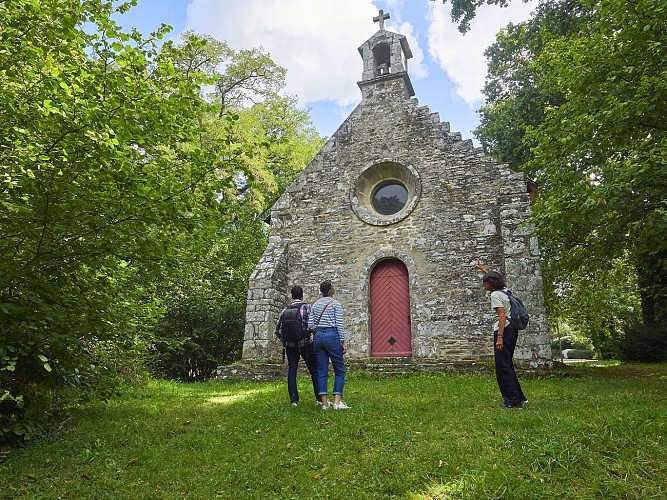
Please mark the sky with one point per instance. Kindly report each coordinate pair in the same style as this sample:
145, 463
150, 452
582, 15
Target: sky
317, 42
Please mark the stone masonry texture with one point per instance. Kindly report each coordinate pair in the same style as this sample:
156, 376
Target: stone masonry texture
462, 205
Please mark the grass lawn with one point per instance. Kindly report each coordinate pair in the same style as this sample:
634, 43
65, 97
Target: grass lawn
599, 433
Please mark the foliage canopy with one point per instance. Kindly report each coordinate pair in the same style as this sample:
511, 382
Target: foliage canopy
117, 176
577, 100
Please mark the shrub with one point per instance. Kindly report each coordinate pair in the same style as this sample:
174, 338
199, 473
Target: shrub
609, 347
33, 397
644, 343
193, 340
204, 320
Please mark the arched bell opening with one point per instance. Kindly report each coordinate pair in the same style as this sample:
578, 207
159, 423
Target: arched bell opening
382, 58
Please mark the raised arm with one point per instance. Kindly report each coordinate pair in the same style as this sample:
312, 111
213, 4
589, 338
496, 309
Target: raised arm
481, 266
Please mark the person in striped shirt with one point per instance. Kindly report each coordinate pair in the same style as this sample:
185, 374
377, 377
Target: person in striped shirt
326, 320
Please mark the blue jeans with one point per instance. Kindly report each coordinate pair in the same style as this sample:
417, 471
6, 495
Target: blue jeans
293, 355
327, 346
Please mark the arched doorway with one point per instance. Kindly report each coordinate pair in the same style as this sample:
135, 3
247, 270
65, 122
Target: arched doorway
390, 310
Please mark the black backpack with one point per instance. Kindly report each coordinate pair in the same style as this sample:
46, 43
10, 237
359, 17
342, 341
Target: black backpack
518, 314
292, 330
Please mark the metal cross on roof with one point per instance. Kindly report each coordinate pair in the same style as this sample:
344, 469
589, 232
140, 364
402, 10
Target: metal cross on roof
381, 18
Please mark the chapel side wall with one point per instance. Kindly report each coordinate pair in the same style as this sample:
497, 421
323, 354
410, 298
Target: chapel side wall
266, 297
521, 267
453, 322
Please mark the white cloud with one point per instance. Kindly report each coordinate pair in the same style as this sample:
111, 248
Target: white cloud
394, 5
462, 56
316, 40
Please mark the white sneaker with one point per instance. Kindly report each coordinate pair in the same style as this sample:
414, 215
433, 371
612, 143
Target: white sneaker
295, 403
341, 406
327, 406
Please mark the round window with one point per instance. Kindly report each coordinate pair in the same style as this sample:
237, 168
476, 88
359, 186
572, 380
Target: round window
385, 193
389, 197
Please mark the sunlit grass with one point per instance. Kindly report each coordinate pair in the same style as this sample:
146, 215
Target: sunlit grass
601, 363
233, 396
598, 432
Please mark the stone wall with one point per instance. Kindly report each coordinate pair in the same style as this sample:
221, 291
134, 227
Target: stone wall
467, 207
266, 298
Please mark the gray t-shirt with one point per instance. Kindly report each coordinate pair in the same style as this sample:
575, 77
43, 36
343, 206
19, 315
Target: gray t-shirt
500, 299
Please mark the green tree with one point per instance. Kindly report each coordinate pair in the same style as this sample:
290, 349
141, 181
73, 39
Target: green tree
576, 99
240, 78
250, 75
205, 305
514, 99
602, 154
205, 302
105, 187
279, 137
463, 11
596, 304
291, 142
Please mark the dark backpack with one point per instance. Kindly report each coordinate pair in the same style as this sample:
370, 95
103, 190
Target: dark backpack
518, 314
292, 330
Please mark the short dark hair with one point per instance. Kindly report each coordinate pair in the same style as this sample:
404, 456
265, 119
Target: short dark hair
297, 292
495, 279
325, 287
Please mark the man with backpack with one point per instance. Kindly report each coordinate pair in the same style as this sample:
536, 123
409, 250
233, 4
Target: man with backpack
292, 330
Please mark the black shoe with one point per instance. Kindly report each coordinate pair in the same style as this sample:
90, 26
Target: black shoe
511, 407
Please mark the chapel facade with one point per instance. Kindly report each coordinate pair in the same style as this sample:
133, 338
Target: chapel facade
395, 209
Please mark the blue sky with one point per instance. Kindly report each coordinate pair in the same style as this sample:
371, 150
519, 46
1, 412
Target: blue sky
317, 41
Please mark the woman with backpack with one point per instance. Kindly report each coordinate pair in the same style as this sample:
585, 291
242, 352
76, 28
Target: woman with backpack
326, 320
504, 338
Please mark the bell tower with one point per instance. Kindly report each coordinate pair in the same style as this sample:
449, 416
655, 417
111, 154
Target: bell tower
385, 57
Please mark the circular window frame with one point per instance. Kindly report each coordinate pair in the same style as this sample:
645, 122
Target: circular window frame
372, 178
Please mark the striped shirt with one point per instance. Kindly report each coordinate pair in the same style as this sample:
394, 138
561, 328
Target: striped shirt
331, 318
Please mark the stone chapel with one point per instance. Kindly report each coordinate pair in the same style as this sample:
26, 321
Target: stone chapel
395, 209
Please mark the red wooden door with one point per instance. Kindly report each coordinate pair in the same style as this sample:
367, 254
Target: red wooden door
390, 310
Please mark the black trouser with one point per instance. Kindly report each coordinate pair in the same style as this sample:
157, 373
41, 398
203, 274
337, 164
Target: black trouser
505, 374
293, 353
